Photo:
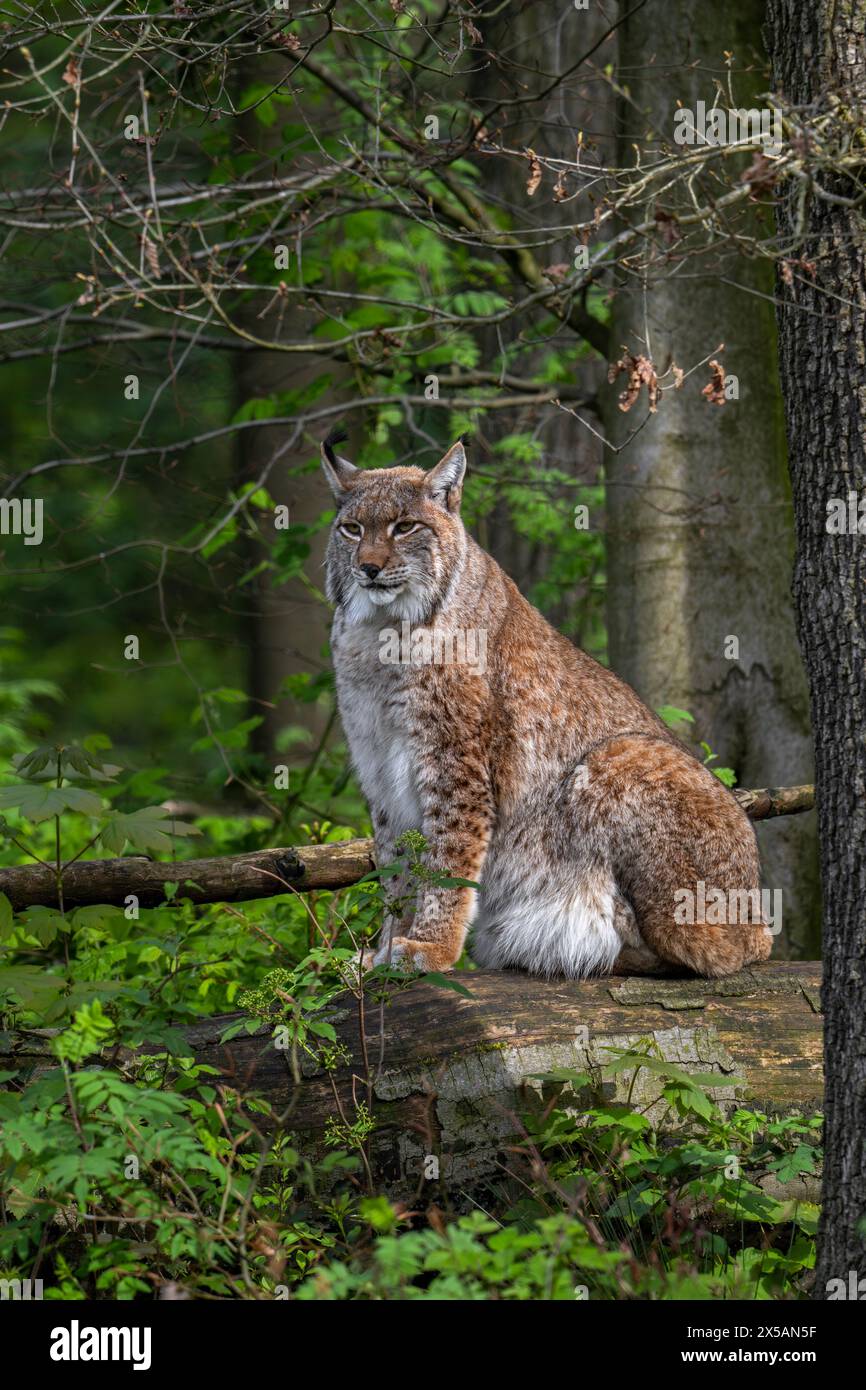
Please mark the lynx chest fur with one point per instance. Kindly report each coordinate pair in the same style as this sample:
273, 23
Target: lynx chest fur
375, 707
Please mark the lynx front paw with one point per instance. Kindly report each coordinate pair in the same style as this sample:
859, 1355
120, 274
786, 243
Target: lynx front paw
415, 956
402, 954
353, 970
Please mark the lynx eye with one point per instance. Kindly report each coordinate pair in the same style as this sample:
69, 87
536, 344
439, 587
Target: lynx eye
404, 528
351, 530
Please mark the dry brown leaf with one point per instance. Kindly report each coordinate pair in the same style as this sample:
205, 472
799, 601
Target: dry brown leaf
668, 227
715, 388
436, 1219
787, 268
534, 179
761, 175
151, 256
640, 372
289, 41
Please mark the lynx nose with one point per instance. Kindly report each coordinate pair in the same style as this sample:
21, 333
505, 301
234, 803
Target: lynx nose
371, 570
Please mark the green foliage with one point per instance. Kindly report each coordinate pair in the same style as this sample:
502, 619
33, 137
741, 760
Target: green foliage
621, 1210
35, 800
675, 718
474, 1258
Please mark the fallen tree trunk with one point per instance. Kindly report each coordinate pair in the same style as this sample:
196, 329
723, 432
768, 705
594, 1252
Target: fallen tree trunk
263, 874
447, 1077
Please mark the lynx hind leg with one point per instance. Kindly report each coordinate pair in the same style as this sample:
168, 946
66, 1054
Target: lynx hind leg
712, 951
685, 938
635, 957
707, 948
675, 832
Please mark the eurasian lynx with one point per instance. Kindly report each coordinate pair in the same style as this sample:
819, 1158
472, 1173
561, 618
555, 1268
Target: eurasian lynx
528, 766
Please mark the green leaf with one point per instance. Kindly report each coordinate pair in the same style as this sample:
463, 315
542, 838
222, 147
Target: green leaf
806, 1216
688, 1099
386, 871
576, 1079
28, 764
40, 803
322, 1029
444, 982
100, 916
152, 827
44, 923
232, 1031
789, 1166
671, 715
726, 775
31, 985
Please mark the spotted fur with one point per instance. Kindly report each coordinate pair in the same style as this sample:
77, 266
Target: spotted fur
541, 776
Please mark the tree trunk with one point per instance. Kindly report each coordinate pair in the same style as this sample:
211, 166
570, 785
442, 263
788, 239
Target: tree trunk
447, 1077
700, 532
822, 326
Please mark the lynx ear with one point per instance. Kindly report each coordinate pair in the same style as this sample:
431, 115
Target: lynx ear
338, 471
444, 483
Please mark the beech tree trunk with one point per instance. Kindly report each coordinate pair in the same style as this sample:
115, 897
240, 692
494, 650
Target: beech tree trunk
818, 48
700, 527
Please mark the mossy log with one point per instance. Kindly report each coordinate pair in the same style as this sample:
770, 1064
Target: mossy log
447, 1077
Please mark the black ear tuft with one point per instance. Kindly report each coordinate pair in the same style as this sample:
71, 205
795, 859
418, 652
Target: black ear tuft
336, 436
465, 437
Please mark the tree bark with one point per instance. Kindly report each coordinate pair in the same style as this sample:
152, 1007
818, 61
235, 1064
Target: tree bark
448, 1077
819, 48
265, 873
700, 529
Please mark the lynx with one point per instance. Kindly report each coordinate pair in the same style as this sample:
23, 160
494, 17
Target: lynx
535, 773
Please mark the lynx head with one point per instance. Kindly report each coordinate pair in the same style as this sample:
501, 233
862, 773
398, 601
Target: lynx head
397, 540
